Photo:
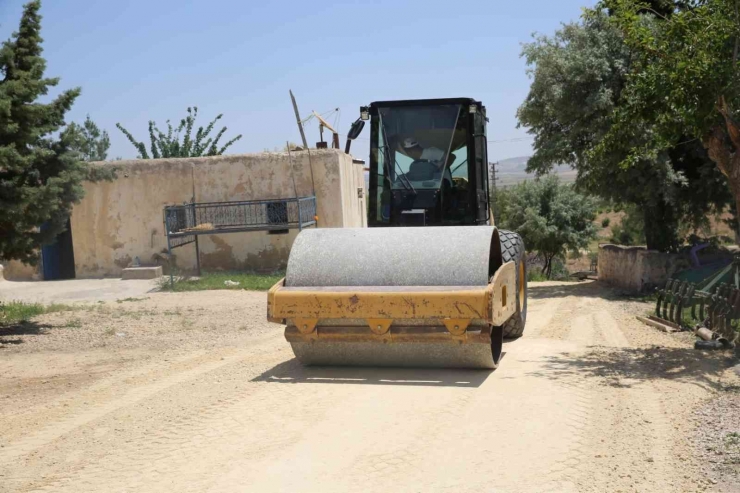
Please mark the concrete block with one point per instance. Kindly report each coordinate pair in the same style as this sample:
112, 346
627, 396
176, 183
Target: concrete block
142, 273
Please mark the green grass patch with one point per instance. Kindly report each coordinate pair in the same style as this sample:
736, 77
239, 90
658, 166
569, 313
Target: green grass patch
217, 280
733, 438
75, 323
59, 307
129, 299
12, 312
536, 275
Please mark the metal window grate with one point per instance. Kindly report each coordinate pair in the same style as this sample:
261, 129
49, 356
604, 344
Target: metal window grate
231, 217
184, 223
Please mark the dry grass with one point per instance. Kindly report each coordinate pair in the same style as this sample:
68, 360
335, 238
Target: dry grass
615, 219
218, 280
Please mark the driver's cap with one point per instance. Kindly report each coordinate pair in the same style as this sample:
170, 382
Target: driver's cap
409, 142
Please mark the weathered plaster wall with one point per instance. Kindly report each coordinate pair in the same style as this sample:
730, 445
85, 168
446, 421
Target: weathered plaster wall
636, 268
14, 270
120, 220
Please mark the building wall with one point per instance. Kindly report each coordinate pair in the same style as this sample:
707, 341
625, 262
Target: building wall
120, 220
638, 269
15, 271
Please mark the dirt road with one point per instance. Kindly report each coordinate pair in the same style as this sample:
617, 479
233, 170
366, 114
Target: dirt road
194, 392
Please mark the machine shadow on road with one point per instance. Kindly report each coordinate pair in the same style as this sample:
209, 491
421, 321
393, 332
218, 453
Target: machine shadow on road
582, 289
627, 367
293, 371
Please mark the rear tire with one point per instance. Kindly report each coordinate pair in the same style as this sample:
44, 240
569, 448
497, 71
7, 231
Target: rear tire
512, 250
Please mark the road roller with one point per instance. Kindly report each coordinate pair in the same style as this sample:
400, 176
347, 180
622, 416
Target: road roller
431, 282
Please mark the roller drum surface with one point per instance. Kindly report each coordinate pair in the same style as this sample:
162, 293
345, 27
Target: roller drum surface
395, 256
411, 355
428, 256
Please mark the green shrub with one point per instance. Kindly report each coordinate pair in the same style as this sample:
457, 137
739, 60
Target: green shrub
559, 271
605, 222
551, 217
535, 275
16, 311
631, 231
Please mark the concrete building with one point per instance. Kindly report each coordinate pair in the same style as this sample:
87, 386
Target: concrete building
120, 220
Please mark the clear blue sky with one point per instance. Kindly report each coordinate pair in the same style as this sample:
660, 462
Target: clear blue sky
139, 60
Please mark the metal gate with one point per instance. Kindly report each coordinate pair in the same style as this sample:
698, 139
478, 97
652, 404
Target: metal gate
57, 259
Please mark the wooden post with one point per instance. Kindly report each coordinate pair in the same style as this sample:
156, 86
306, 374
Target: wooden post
298, 119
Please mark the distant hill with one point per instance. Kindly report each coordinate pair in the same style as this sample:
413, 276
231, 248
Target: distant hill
513, 170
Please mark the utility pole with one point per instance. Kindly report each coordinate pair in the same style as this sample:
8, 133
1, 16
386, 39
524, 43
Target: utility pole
298, 119
494, 205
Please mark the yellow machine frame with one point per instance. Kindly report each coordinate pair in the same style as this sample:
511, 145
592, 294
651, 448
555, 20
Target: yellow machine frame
389, 312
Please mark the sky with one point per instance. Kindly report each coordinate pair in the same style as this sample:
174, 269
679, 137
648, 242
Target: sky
142, 60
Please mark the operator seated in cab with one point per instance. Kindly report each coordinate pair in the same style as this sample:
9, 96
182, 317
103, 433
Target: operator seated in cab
429, 162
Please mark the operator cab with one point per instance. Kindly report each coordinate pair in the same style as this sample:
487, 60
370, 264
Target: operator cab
428, 162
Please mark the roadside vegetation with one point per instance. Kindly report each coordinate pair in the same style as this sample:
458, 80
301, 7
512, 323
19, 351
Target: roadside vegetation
168, 144
13, 312
42, 166
558, 272
653, 78
552, 218
222, 280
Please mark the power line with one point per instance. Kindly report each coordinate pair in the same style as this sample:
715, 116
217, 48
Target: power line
516, 139
521, 139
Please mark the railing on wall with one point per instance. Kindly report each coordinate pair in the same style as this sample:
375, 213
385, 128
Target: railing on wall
184, 223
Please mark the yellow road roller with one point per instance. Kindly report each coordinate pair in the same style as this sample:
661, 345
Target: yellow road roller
431, 282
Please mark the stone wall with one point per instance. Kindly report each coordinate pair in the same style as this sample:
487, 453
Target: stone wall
120, 220
638, 269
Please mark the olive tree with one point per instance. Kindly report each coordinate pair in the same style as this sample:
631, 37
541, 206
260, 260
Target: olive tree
578, 80
685, 83
551, 217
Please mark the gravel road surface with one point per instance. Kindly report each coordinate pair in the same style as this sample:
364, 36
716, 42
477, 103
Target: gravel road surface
196, 392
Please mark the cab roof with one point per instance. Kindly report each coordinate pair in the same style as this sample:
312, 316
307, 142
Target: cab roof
424, 102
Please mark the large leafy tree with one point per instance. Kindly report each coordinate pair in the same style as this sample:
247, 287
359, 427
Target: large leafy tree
578, 77
87, 140
550, 216
685, 83
168, 145
40, 178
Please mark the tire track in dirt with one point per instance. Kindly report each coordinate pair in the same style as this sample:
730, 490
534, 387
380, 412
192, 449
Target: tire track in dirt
626, 423
574, 322
188, 453
73, 402
418, 439
175, 376
646, 426
539, 315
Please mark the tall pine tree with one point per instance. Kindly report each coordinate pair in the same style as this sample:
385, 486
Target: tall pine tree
40, 179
